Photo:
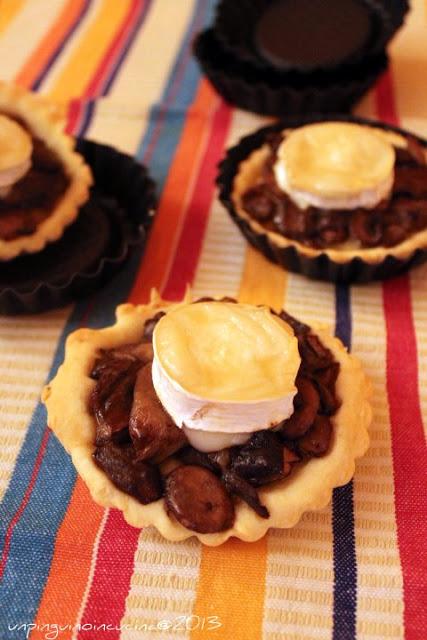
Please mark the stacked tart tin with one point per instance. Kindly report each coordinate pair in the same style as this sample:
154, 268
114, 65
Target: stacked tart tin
279, 57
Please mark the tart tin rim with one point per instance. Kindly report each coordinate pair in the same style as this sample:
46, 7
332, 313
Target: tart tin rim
387, 22
320, 267
14, 301
258, 95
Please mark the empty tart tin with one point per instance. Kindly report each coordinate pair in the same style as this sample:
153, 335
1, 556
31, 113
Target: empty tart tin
307, 35
292, 255
274, 93
113, 221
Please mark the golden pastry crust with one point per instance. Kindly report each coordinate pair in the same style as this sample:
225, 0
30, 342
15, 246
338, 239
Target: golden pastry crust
44, 121
308, 488
248, 175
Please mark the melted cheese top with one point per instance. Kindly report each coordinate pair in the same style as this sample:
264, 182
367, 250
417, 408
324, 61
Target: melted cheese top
223, 352
15, 144
336, 159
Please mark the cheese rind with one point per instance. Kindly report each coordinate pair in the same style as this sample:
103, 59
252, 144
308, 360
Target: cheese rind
224, 369
227, 352
335, 165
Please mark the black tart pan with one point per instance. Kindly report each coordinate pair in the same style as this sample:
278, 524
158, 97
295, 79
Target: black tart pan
110, 224
307, 36
320, 267
272, 93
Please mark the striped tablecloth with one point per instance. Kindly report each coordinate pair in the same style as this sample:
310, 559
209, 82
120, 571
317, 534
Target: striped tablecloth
123, 72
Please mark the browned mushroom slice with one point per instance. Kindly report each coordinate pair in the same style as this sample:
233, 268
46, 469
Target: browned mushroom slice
411, 214
316, 441
411, 181
239, 487
329, 403
313, 353
306, 405
260, 460
198, 499
111, 358
260, 202
366, 226
216, 461
298, 327
328, 376
325, 380
289, 459
150, 324
192, 456
414, 153
111, 401
138, 479
153, 432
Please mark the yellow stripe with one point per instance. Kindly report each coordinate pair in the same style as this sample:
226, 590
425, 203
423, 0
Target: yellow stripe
232, 576
85, 58
262, 281
8, 10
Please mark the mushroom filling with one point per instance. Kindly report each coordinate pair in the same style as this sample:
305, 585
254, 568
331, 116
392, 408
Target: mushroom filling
391, 222
33, 198
135, 436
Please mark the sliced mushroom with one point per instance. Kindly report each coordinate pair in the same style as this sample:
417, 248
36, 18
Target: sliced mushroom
260, 202
290, 458
411, 181
197, 498
114, 358
139, 479
242, 489
260, 460
366, 226
313, 353
154, 434
316, 441
150, 325
298, 327
111, 401
306, 407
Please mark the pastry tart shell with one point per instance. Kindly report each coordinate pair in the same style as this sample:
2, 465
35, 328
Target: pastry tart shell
308, 488
240, 169
44, 121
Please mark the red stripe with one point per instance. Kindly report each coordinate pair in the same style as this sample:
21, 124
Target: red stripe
24, 502
113, 51
409, 452
176, 84
408, 442
113, 572
385, 103
193, 230
75, 112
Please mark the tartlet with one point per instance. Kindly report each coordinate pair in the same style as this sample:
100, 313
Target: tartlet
40, 203
164, 482
359, 245
292, 57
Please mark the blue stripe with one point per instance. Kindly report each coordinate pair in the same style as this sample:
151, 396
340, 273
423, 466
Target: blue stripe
345, 565
174, 116
35, 533
134, 32
86, 119
55, 55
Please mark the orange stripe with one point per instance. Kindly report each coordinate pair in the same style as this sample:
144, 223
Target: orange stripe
171, 210
8, 10
69, 570
38, 60
85, 59
232, 576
